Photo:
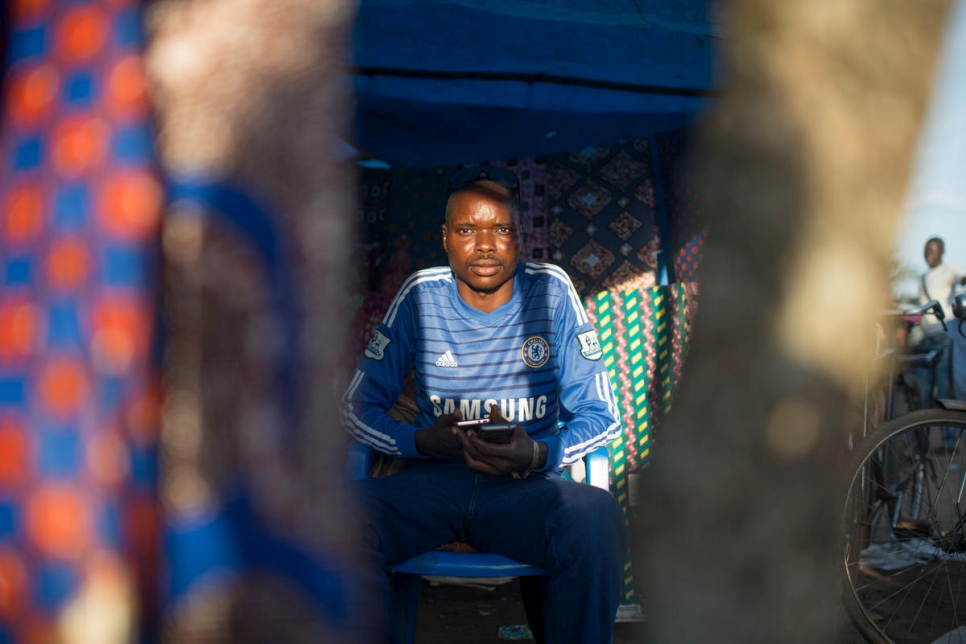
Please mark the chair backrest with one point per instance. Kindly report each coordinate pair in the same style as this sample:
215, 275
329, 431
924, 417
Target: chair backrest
358, 461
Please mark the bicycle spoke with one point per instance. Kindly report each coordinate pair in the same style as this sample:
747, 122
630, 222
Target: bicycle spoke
905, 554
954, 596
925, 596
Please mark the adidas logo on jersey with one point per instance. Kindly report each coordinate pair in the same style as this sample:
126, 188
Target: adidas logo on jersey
446, 360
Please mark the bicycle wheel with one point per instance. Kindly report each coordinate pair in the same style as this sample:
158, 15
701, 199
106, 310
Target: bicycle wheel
905, 542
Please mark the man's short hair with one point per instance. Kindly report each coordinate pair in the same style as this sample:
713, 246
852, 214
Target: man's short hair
473, 174
937, 240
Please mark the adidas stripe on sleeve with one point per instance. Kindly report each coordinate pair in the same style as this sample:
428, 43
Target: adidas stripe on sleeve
379, 379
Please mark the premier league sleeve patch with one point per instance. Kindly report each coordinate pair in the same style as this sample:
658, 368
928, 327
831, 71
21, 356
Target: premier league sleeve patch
377, 346
589, 345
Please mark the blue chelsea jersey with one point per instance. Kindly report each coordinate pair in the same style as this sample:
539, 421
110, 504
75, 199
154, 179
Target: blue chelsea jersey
537, 358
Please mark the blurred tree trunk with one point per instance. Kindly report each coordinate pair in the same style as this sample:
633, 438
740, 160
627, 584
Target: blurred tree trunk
802, 171
252, 95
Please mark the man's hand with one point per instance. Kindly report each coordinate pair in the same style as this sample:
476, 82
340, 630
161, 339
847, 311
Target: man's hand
440, 438
497, 459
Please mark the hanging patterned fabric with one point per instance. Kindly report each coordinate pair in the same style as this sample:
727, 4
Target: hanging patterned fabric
418, 202
662, 329
375, 187
532, 174
81, 205
623, 325
687, 234
603, 226
682, 304
643, 337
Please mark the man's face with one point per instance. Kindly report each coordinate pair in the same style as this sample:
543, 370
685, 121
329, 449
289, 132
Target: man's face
934, 254
482, 239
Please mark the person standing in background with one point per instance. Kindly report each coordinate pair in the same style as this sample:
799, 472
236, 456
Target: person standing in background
948, 377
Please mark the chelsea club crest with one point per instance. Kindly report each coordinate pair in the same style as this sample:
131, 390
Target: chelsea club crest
535, 352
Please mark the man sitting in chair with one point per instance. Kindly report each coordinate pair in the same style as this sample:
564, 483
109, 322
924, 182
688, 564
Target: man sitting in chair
490, 338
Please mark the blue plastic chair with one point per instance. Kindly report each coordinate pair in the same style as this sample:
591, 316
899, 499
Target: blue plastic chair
408, 574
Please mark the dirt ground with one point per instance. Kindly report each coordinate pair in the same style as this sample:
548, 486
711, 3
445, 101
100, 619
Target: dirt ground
450, 614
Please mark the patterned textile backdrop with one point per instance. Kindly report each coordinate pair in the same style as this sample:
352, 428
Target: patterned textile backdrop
418, 201
533, 207
81, 206
603, 227
643, 334
374, 186
687, 231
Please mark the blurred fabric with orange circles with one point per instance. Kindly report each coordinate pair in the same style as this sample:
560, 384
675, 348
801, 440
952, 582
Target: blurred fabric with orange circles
81, 210
99, 543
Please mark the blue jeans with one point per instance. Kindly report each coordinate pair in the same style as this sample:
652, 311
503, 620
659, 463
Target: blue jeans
576, 531
938, 377
958, 361
936, 383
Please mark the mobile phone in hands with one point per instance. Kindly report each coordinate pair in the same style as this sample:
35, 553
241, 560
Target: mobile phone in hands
500, 433
472, 424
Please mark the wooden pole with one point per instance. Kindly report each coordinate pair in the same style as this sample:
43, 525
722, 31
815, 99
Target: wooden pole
802, 170
251, 96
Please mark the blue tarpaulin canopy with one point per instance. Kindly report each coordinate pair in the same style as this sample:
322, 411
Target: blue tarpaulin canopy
440, 82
